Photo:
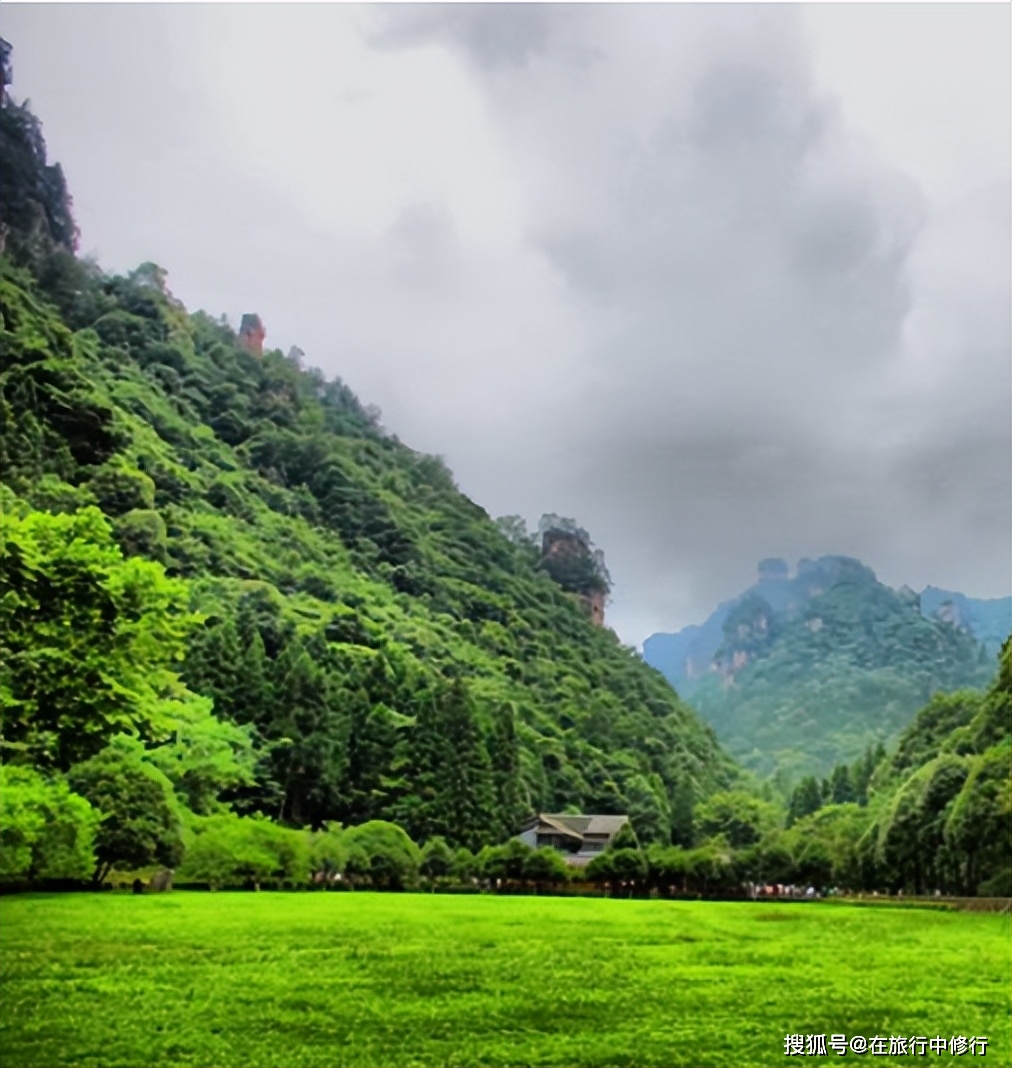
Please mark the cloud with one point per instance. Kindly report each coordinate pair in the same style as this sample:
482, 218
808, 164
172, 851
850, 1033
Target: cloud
713, 279
751, 268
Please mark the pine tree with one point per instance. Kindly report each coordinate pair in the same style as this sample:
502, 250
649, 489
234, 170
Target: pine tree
683, 831
841, 787
806, 799
504, 751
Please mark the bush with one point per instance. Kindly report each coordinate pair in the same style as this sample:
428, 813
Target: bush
232, 851
545, 866
437, 859
46, 832
327, 851
392, 857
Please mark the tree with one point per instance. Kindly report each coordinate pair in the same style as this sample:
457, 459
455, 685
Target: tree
452, 773
205, 756
625, 838
87, 639
46, 832
437, 859
978, 827
545, 866
683, 813
736, 815
667, 867
140, 824
392, 857
464, 865
841, 788
806, 799
504, 756
649, 809
310, 769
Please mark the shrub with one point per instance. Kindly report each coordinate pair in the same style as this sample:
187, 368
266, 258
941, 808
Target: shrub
392, 857
233, 851
545, 866
46, 831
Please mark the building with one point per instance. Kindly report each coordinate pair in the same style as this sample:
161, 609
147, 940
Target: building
579, 837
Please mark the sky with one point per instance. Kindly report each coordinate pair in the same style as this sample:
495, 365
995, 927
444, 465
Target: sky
720, 281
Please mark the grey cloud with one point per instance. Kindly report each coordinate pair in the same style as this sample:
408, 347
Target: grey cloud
491, 35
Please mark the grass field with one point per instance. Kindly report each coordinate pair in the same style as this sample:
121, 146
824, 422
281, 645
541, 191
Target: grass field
323, 980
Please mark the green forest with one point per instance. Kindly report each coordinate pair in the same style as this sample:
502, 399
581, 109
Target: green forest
248, 634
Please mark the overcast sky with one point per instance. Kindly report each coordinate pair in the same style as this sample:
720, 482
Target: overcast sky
721, 282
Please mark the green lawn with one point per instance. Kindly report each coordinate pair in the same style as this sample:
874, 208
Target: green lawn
264, 980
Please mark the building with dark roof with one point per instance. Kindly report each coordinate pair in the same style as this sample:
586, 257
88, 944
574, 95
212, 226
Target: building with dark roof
579, 837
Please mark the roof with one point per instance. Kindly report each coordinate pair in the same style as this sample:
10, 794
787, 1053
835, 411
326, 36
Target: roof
607, 825
578, 825
557, 825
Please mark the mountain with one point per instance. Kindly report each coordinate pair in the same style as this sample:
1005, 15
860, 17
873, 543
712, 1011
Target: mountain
686, 656
391, 650
988, 620
803, 672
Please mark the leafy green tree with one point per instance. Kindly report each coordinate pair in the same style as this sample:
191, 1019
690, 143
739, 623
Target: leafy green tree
545, 867
312, 767
841, 787
814, 865
710, 868
327, 850
120, 489
214, 667
451, 767
205, 756
140, 822
437, 859
87, 639
648, 807
507, 786
667, 867
46, 832
464, 865
142, 532
626, 838
739, 817
978, 827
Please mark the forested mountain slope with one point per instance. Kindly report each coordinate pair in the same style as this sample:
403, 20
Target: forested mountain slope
395, 653
811, 669
941, 800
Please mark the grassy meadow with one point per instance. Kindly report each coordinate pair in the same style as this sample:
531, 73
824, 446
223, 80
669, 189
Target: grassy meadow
273, 979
